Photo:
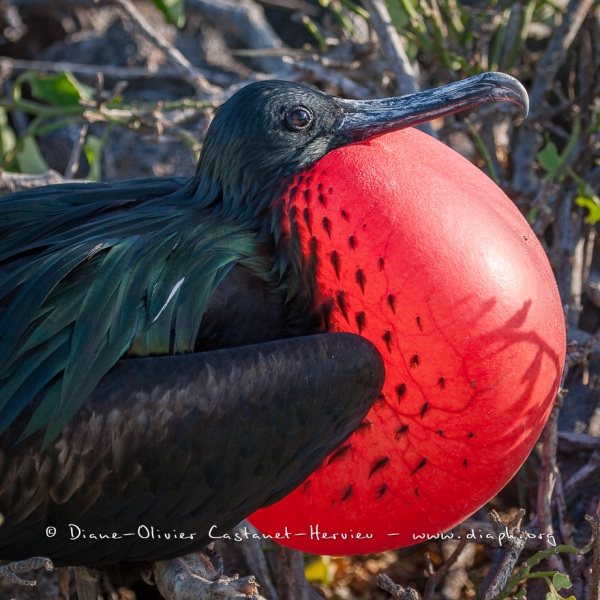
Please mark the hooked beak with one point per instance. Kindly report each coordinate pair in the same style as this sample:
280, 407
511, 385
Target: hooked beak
362, 119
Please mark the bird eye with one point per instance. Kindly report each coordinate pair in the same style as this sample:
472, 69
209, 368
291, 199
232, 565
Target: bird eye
299, 118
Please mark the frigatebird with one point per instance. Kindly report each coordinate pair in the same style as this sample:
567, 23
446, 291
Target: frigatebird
162, 363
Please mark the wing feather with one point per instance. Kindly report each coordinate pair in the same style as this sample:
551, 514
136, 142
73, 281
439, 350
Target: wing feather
92, 273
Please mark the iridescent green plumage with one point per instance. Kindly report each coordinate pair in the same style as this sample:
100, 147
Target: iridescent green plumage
109, 278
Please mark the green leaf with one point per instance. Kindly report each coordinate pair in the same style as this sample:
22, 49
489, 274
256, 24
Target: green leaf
174, 10
93, 152
59, 89
560, 581
8, 139
525, 569
550, 160
552, 594
30, 159
399, 17
593, 206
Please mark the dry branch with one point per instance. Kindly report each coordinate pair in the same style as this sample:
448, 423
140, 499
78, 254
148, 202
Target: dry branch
548, 474
438, 576
15, 182
11, 571
515, 544
397, 591
393, 49
193, 576
392, 46
245, 20
595, 575
10, 65
181, 64
528, 139
291, 584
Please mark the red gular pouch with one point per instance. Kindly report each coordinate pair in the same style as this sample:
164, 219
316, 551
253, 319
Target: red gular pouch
414, 248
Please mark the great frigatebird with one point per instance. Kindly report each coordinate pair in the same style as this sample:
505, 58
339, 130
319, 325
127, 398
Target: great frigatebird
141, 380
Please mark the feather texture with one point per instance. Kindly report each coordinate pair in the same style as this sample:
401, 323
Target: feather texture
89, 276
185, 444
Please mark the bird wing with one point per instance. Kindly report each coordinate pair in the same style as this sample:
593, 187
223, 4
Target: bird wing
182, 444
91, 273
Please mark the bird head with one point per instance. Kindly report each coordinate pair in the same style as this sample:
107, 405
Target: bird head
263, 133
270, 130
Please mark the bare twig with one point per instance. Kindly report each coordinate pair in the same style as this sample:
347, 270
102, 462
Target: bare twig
545, 202
545, 76
289, 575
578, 442
192, 577
73, 163
548, 474
254, 555
569, 225
577, 563
179, 62
565, 526
393, 49
18, 65
14, 182
595, 578
11, 571
245, 20
585, 350
435, 579
488, 138
577, 282
397, 591
515, 544
320, 71
590, 472
555, 55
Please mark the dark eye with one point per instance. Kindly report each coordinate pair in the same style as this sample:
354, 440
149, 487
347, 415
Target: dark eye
299, 118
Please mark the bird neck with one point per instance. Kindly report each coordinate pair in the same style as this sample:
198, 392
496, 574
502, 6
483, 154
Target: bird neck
267, 209
297, 247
